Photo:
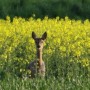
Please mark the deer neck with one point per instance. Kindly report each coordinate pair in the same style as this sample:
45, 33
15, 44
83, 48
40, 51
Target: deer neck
39, 56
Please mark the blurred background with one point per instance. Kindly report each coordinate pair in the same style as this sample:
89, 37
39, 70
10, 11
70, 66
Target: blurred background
74, 9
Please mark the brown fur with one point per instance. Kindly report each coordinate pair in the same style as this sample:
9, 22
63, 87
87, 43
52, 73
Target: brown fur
37, 67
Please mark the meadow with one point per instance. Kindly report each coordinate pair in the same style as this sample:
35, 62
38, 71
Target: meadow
66, 53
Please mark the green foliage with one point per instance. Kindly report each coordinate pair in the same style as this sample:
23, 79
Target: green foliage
52, 8
15, 83
66, 53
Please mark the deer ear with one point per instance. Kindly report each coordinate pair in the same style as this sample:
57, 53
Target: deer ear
44, 36
33, 35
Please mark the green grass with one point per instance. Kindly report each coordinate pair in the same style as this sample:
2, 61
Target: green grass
51, 83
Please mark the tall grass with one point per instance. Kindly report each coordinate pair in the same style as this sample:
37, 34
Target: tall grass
66, 54
51, 83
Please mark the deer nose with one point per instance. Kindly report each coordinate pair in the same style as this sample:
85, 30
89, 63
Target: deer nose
38, 46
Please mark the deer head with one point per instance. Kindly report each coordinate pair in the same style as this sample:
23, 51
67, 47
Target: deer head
39, 41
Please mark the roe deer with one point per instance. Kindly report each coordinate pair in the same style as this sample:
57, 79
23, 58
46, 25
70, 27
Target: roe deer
37, 67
